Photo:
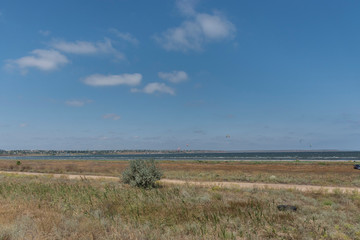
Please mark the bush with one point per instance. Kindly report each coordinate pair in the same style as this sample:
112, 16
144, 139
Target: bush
142, 173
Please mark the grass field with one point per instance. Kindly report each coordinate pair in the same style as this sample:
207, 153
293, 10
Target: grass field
311, 173
48, 208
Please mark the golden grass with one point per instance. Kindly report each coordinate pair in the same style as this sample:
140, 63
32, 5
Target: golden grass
46, 208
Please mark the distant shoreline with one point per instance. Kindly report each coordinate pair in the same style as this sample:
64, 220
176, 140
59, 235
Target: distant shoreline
66, 153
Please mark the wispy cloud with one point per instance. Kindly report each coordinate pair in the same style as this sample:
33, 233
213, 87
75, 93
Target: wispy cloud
125, 36
41, 59
187, 7
77, 103
98, 80
78, 47
84, 47
196, 30
45, 33
155, 87
22, 125
174, 76
111, 116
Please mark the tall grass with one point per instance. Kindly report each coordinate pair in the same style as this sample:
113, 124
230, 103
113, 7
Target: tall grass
45, 208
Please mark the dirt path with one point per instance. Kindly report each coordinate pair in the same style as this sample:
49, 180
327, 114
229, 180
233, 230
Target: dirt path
67, 176
204, 184
262, 185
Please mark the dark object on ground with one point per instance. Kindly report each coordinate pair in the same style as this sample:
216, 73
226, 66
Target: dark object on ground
357, 166
287, 208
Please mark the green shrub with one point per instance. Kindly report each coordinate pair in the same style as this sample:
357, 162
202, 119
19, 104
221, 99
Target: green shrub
142, 173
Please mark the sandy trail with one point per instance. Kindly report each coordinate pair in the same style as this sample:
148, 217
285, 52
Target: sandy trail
262, 185
58, 175
202, 183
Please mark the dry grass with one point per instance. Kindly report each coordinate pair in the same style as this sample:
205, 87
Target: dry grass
312, 173
46, 208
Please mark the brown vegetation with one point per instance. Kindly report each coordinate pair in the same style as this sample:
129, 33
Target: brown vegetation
313, 173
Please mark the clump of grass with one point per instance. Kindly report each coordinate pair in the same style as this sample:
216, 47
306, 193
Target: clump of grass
328, 202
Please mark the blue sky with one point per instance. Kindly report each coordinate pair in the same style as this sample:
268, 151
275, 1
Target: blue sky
122, 74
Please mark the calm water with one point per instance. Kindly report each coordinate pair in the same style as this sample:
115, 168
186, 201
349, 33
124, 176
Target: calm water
211, 156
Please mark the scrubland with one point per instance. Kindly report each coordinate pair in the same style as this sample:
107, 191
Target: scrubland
49, 208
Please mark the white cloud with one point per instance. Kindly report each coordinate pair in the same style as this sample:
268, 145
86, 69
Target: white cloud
83, 47
215, 26
97, 80
125, 36
51, 59
77, 103
174, 76
198, 29
154, 87
45, 60
111, 116
22, 125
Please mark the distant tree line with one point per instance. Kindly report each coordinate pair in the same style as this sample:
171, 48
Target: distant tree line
82, 152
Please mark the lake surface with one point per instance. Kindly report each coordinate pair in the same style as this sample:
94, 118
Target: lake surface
259, 156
